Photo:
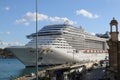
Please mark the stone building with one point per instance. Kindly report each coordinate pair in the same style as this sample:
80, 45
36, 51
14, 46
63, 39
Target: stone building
112, 43
114, 49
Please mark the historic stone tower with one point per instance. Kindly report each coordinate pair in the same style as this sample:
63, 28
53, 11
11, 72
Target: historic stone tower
114, 34
113, 45
114, 48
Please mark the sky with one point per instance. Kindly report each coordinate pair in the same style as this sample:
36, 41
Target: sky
17, 17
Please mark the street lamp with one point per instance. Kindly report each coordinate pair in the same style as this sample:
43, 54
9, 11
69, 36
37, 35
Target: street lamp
73, 55
36, 41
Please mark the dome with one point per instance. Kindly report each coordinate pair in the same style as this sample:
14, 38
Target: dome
113, 22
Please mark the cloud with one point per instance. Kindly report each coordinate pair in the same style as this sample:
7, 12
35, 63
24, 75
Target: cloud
87, 14
7, 8
8, 32
5, 32
6, 44
23, 21
63, 20
92, 33
31, 17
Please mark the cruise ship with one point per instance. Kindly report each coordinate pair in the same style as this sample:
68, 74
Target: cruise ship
59, 44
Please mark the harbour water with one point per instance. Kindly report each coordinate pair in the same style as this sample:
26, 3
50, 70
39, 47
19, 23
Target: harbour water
10, 68
13, 68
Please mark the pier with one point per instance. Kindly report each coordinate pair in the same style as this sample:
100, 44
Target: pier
64, 72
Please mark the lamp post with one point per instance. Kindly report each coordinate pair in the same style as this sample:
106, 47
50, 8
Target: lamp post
73, 55
36, 41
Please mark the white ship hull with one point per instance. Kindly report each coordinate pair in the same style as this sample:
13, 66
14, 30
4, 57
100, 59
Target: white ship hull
54, 56
58, 44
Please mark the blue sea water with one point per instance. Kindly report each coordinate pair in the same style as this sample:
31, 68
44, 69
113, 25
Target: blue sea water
10, 68
13, 68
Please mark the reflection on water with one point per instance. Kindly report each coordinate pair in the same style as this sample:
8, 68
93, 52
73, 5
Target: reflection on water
12, 68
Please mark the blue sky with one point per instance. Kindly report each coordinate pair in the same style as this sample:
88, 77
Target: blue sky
17, 17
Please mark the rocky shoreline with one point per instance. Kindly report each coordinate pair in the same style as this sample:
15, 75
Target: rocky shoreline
5, 54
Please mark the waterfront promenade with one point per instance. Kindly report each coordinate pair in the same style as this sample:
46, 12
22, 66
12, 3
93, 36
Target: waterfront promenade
86, 71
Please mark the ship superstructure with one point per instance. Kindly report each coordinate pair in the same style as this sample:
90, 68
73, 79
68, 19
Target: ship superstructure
61, 43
